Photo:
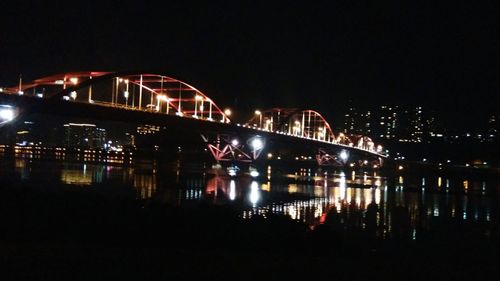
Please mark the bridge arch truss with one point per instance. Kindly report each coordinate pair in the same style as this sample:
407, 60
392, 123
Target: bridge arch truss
129, 90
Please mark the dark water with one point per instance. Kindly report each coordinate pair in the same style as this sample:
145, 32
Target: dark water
358, 199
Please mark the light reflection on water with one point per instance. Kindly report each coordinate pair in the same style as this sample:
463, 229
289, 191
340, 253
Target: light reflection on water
361, 199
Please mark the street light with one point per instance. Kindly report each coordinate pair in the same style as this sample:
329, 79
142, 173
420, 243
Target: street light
126, 94
321, 133
296, 129
117, 88
227, 113
257, 112
6, 113
167, 99
257, 143
344, 155
196, 99
74, 80
159, 99
268, 125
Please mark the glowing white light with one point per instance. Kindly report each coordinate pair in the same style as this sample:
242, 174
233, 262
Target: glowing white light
254, 174
342, 186
232, 171
163, 98
344, 155
73, 80
232, 190
234, 142
73, 95
227, 111
377, 196
125, 94
254, 193
6, 114
257, 143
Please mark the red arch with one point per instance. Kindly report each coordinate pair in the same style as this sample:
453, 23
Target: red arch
67, 83
326, 133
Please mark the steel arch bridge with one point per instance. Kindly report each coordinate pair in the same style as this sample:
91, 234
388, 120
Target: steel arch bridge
160, 96
128, 90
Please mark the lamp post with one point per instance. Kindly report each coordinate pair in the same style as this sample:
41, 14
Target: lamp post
268, 125
257, 112
196, 99
115, 96
168, 104
343, 155
227, 113
159, 99
296, 128
126, 93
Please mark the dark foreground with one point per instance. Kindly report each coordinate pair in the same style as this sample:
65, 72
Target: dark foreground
67, 234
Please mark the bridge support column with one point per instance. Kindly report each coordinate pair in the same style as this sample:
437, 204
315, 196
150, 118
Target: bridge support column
228, 148
326, 159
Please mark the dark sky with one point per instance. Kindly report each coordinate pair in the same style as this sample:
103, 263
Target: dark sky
251, 54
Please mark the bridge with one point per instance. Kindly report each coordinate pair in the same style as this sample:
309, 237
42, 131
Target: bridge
158, 99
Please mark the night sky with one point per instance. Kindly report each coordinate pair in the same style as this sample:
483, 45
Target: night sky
251, 54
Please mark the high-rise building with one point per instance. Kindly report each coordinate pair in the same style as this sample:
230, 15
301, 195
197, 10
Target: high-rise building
350, 120
385, 127
399, 123
410, 124
493, 129
358, 121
